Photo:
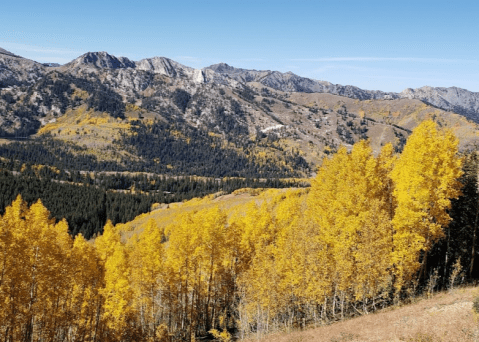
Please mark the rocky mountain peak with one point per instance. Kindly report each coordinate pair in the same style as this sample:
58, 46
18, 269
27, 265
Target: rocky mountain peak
222, 68
102, 60
454, 99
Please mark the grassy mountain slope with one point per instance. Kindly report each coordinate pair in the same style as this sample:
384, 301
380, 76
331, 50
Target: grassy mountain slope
165, 214
445, 317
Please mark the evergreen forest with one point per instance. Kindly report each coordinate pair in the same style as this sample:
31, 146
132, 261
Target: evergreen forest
88, 199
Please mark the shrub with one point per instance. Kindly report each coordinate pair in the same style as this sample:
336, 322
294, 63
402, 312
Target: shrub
475, 305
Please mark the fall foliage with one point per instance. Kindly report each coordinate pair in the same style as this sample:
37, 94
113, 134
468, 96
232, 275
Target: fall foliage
353, 242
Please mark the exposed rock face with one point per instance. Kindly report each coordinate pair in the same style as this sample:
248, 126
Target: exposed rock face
291, 82
453, 99
161, 65
18, 71
170, 68
101, 60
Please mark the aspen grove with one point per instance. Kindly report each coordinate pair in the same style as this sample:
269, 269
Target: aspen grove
354, 242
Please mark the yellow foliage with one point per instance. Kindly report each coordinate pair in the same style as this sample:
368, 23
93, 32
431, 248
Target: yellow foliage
426, 178
43, 278
213, 134
131, 107
80, 93
355, 237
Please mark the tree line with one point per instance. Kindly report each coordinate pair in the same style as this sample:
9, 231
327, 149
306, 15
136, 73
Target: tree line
87, 200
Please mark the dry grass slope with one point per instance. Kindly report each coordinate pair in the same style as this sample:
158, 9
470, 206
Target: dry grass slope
446, 317
165, 215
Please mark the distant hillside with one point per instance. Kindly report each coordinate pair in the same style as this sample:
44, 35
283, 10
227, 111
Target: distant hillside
167, 214
159, 115
452, 99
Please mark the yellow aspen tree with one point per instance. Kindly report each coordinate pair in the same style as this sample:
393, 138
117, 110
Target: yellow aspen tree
42, 271
13, 285
323, 205
117, 291
86, 299
118, 294
147, 266
426, 178
59, 274
182, 273
330, 210
262, 299
213, 256
348, 205
293, 252
370, 246
105, 244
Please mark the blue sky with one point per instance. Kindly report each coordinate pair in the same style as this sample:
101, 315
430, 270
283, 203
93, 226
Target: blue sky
384, 45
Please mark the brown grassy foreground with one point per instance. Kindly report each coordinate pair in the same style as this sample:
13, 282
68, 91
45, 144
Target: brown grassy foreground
447, 316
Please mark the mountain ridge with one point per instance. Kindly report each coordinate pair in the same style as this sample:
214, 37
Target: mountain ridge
101, 103
459, 100
455, 99
8, 53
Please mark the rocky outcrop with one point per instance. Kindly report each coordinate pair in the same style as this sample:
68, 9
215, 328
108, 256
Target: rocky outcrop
453, 99
16, 71
100, 60
290, 82
163, 66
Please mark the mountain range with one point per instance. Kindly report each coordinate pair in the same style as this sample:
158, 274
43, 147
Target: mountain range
277, 117
454, 99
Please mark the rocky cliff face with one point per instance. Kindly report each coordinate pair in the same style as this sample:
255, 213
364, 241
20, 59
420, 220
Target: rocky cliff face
453, 99
290, 82
16, 71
